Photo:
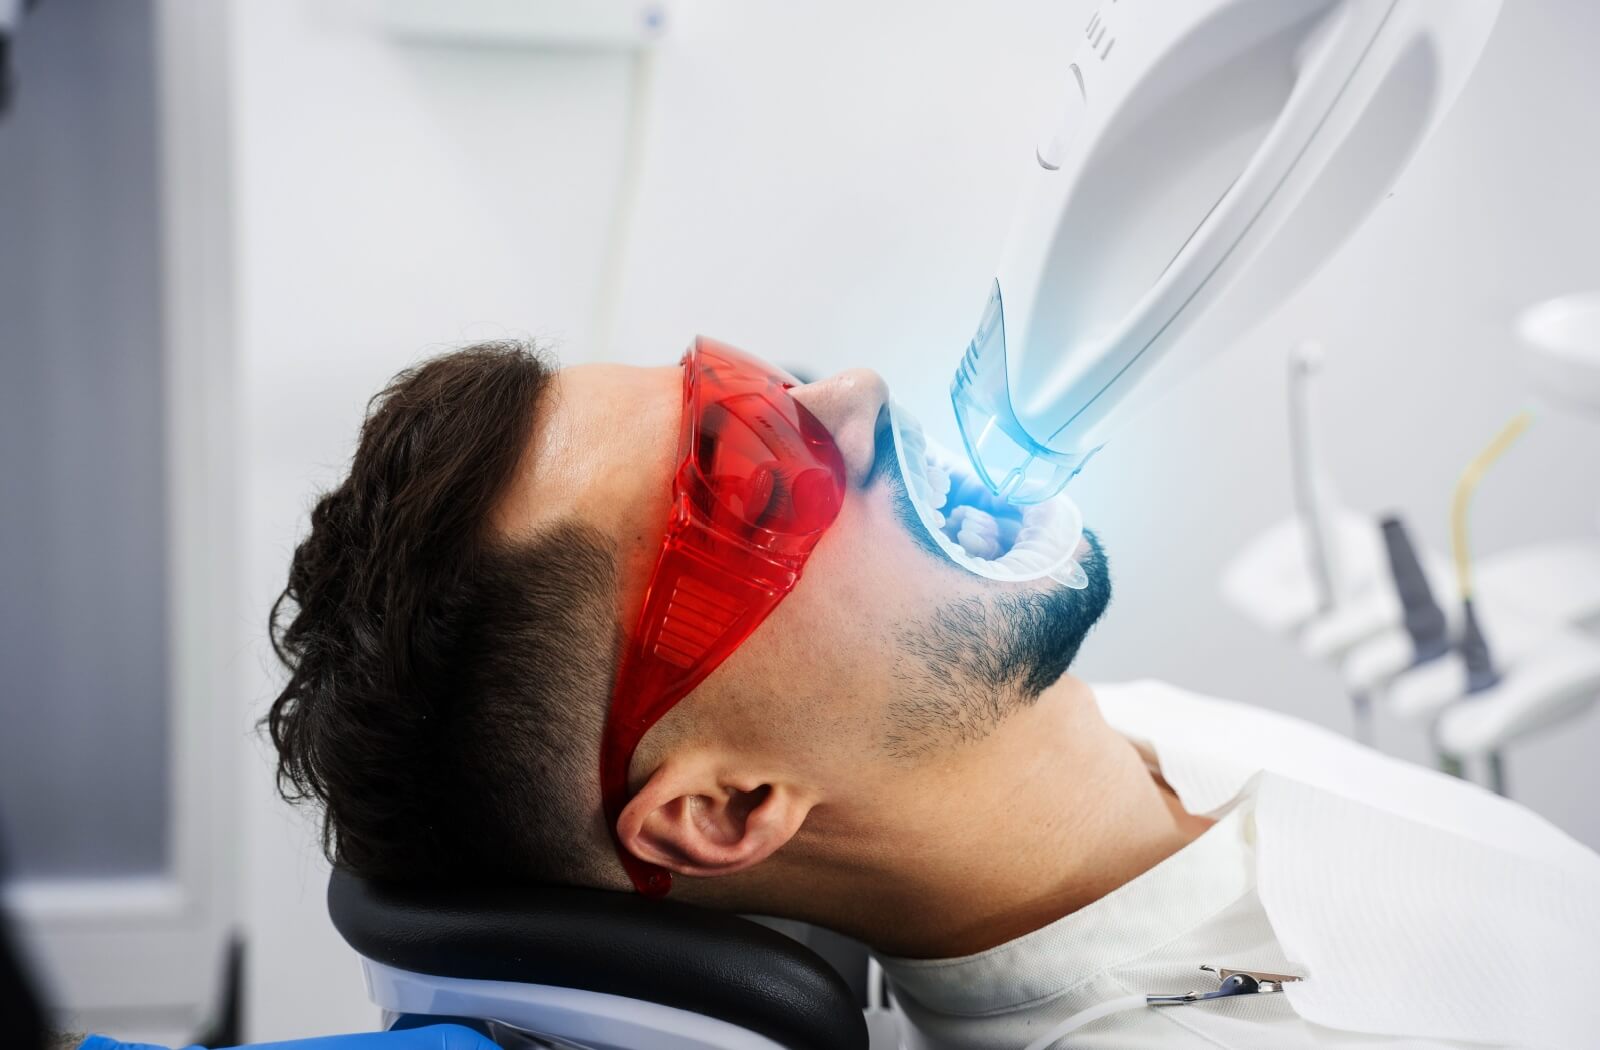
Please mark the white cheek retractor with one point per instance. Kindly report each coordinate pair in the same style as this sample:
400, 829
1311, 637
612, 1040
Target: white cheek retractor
976, 530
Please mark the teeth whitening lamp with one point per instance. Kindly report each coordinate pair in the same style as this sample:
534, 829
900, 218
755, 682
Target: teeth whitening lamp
1208, 158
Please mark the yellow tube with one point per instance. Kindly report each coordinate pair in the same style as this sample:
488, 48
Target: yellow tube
1468, 485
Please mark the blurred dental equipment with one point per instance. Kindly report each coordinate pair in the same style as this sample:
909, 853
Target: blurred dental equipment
1328, 575
1208, 159
1561, 342
1484, 655
1548, 654
1471, 645
1311, 488
1474, 648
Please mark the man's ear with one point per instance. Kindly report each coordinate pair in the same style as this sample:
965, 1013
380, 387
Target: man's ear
690, 820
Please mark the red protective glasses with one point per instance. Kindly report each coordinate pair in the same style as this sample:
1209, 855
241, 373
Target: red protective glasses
758, 480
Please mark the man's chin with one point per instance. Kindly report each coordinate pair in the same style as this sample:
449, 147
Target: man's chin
972, 662
1051, 635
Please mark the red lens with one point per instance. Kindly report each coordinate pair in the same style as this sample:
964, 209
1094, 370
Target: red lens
758, 482
761, 463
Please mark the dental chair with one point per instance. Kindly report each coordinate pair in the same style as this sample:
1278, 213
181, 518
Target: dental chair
561, 967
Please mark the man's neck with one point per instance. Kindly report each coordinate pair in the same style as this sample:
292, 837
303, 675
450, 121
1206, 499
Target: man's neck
1055, 811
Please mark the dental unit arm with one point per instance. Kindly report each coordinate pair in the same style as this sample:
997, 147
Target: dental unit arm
1209, 157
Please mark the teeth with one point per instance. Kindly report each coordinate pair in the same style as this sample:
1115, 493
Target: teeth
1025, 560
938, 482
978, 546
978, 533
981, 521
1009, 531
1040, 545
957, 518
919, 488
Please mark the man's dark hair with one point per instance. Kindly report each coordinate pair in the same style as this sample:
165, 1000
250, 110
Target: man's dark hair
447, 684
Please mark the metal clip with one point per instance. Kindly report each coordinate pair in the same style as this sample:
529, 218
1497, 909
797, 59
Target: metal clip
1234, 982
1269, 982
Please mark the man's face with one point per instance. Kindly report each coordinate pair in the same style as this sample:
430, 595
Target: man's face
885, 652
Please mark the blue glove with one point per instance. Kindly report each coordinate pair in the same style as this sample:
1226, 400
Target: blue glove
433, 1037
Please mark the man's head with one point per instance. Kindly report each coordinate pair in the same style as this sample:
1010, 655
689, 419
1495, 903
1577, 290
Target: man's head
458, 610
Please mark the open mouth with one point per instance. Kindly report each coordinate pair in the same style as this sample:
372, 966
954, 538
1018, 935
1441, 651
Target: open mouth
975, 528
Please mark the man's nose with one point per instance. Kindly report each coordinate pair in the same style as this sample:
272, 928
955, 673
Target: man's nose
848, 403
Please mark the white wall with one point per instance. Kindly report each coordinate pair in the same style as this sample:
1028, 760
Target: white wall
828, 184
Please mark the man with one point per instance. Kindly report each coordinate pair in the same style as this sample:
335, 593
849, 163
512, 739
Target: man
895, 751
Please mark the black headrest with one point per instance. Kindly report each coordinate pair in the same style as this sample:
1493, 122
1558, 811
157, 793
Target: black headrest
662, 951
